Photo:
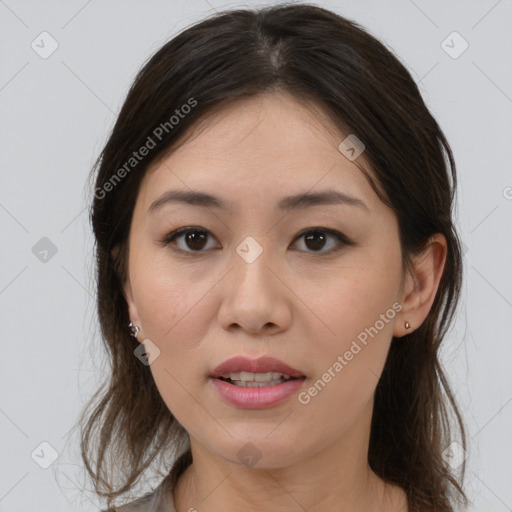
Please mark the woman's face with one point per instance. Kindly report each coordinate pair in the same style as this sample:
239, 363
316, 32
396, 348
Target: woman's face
254, 279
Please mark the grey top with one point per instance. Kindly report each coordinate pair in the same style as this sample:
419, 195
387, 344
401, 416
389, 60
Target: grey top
155, 501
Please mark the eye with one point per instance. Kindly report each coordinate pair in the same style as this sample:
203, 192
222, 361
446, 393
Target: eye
315, 238
195, 238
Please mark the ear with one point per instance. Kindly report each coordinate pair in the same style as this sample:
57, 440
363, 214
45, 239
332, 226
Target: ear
421, 285
128, 295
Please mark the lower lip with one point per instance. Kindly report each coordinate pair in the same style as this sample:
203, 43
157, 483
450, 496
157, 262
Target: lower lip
256, 398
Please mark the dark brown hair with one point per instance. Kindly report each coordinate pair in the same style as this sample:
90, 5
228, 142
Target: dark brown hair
331, 62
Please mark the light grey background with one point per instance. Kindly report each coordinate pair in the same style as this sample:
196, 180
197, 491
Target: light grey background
55, 115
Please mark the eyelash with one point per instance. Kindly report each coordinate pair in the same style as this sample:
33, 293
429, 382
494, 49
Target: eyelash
340, 237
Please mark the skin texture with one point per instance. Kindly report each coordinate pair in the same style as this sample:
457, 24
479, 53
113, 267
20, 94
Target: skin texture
295, 302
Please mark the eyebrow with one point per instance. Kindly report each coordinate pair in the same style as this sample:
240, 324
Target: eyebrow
295, 202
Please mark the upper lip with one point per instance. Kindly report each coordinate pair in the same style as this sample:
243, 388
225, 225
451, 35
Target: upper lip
260, 365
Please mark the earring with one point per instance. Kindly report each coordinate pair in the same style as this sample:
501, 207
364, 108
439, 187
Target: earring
407, 325
133, 329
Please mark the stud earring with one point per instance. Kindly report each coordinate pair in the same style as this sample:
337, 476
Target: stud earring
133, 329
407, 325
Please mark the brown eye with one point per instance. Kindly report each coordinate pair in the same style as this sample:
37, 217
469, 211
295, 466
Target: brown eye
316, 239
193, 239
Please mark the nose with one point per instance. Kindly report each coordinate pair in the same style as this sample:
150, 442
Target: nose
255, 297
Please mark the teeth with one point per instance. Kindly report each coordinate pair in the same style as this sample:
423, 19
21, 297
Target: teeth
255, 384
267, 379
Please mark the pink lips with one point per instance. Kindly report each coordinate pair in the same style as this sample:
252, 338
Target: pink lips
256, 398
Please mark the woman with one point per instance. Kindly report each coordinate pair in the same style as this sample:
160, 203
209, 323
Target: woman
277, 267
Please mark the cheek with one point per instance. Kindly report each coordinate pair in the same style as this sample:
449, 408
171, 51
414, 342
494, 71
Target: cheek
357, 299
358, 311
173, 317
169, 301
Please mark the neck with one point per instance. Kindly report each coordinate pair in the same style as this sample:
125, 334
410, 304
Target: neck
337, 478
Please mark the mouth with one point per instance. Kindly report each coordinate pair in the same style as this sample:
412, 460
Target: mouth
256, 383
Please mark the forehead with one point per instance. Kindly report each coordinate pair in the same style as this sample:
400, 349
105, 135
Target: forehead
264, 147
